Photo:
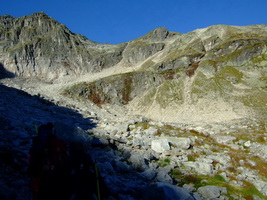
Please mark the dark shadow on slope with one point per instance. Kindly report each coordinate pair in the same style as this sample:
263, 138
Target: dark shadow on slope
4, 73
20, 114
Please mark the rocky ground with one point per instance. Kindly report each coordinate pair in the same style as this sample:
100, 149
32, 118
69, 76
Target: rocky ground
209, 161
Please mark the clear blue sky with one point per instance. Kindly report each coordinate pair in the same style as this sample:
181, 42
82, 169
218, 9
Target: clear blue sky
117, 21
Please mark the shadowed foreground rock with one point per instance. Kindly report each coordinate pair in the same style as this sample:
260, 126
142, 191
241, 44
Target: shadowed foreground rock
163, 191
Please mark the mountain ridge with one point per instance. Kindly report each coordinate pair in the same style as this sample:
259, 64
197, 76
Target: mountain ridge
150, 72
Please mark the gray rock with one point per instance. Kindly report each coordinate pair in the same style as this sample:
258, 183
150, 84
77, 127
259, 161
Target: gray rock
180, 142
261, 186
200, 167
160, 145
224, 139
138, 50
100, 132
159, 34
138, 142
151, 130
123, 167
72, 52
149, 174
107, 168
163, 177
163, 191
255, 197
140, 159
211, 192
247, 144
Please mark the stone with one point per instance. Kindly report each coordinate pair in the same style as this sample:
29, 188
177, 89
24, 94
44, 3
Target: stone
163, 177
164, 191
180, 142
140, 159
200, 167
123, 167
261, 186
107, 168
138, 142
222, 139
247, 144
160, 145
151, 131
149, 174
211, 192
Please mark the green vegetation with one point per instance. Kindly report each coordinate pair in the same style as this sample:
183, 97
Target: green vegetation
230, 73
163, 163
247, 191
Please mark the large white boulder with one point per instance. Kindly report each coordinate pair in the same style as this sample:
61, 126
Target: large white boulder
160, 145
180, 142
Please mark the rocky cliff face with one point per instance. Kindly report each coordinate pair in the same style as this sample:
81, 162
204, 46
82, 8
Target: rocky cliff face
164, 69
221, 68
217, 71
38, 45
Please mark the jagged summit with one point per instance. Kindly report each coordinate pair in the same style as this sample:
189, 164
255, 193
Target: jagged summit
158, 34
38, 45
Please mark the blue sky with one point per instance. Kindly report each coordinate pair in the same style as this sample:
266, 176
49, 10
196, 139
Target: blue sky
117, 21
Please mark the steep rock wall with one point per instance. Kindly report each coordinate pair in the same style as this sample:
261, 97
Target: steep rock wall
38, 45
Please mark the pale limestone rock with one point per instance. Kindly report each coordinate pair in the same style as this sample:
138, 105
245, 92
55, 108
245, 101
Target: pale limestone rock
180, 142
160, 145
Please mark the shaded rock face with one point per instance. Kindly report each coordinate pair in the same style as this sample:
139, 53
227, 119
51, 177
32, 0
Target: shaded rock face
166, 191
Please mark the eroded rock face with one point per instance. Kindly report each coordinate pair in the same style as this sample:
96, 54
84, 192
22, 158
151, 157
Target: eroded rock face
221, 68
38, 45
119, 89
224, 63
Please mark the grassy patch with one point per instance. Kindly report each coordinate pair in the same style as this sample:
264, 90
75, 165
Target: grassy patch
247, 191
165, 162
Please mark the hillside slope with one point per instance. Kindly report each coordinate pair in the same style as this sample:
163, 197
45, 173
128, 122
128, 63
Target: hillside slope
213, 74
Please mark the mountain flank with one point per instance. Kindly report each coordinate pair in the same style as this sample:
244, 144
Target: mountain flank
152, 74
181, 109
38, 45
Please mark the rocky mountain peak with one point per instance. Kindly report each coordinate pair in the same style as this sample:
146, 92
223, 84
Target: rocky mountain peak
6, 20
38, 45
158, 35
